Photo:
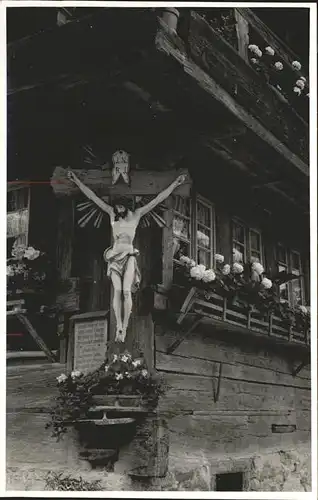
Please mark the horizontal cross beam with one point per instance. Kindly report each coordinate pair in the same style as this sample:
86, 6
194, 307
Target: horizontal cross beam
142, 182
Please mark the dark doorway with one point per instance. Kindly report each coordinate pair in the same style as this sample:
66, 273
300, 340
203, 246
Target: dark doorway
229, 482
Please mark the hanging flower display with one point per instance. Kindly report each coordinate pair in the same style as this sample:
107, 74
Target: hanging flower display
247, 283
279, 66
296, 65
278, 75
301, 83
255, 50
120, 374
269, 51
27, 269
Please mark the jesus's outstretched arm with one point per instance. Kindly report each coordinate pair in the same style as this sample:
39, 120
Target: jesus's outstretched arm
90, 194
161, 196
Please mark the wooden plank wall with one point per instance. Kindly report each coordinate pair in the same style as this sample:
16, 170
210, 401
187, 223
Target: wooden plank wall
256, 391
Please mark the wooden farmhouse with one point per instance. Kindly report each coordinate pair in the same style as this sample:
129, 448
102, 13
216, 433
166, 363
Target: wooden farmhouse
222, 312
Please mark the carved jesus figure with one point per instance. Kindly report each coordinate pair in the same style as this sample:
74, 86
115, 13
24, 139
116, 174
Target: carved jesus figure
121, 257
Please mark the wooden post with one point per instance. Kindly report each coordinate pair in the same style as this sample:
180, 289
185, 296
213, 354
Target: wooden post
151, 448
64, 255
242, 35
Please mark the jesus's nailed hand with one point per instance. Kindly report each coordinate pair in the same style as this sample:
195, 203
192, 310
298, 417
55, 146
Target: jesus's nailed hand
181, 179
71, 176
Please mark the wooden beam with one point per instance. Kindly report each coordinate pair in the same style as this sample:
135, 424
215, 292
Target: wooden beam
242, 35
64, 257
183, 336
143, 182
270, 184
32, 331
167, 44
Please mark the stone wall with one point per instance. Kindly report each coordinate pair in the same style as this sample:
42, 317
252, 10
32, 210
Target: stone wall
282, 471
206, 437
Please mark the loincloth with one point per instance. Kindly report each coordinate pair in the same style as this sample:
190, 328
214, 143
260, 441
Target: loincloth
117, 262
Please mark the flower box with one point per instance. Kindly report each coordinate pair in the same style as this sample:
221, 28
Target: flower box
119, 402
240, 295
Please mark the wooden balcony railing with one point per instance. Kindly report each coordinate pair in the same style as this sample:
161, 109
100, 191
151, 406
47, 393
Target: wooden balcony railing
213, 49
227, 314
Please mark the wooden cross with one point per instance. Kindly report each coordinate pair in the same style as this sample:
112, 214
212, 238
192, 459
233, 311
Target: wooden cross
142, 182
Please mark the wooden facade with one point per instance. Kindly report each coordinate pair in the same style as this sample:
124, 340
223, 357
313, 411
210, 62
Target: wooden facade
183, 100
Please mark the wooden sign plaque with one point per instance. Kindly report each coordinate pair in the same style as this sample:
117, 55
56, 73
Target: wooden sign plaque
87, 342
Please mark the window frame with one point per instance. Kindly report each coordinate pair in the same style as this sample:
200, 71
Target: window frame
20, 209
212, 249
194, 199
247, 237
288, 264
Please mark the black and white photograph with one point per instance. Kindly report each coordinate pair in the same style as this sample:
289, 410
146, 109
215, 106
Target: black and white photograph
161, 248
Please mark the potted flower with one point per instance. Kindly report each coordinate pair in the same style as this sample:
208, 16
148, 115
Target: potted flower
122, 381
245, 285
27, 274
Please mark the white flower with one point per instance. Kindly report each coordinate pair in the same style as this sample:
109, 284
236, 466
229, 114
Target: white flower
185, 260
127, 375
208, 276
237, 268
237, 255
203, 239
257, 267
136, 363
300, 83
297, 90
61, 378
144, 373
303, 309
115, 357
20, 269
219, 258
31, 253
253, 48
76, 374
278, 65
259, 53
10, 271
269, 50
119, 376
18, 251
266, 283
106, 368
124, 358
296, 65
196, 272
303, 79
254, 60
226, 269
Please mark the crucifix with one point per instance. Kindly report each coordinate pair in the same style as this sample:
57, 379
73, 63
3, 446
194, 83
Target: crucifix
121, 257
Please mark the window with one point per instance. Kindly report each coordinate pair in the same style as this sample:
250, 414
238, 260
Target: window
204, 233
17, 217
193, 229
181, 227
289, 261
246, 243
232, 481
